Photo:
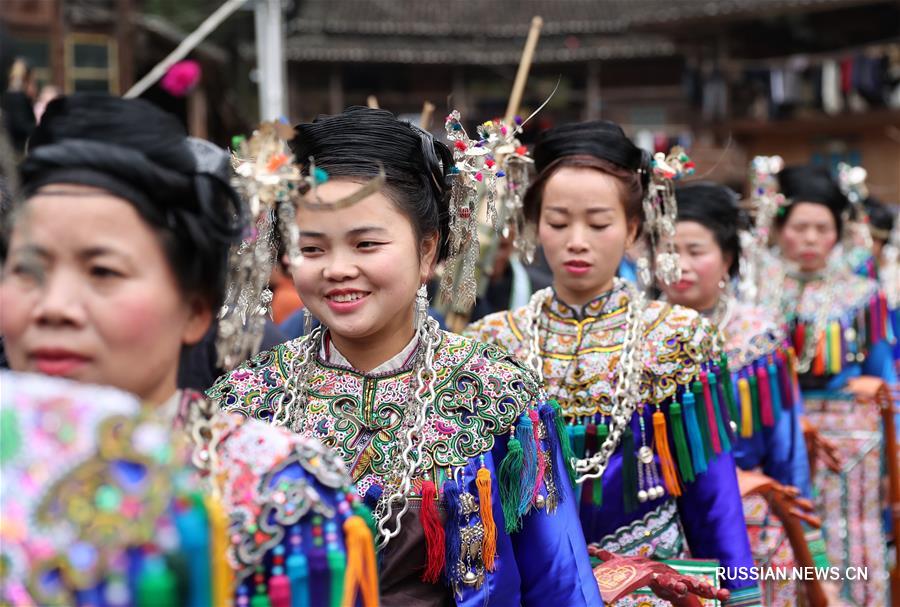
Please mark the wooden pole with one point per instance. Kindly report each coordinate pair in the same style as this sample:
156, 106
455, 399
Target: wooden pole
457, 320
515, 98
427, 115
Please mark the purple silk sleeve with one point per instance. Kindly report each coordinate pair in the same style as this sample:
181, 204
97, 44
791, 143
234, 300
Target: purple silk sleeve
712, 516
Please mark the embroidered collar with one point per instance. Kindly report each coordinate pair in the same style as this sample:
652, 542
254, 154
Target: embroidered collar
330, 355
604, 303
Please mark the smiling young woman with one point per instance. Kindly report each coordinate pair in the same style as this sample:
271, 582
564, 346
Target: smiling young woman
425, 420
631, 377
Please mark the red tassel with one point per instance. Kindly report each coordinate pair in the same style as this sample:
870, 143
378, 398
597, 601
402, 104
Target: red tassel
711, 413
434, 534
765, 397
799, 337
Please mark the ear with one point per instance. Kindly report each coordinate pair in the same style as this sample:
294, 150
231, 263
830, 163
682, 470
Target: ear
198, 322
428, 256
632, 234
728, 258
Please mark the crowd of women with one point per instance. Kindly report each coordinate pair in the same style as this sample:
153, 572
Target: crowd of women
666, 439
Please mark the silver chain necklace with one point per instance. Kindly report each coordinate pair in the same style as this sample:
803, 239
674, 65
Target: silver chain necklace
291, 408
626, 394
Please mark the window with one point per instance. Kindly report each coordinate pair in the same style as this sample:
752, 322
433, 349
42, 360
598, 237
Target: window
91, 64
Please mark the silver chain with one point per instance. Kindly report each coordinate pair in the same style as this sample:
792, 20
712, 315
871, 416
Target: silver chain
290, 411
424, 395
626, 393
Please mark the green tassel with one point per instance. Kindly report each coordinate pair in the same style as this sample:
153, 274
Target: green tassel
703, 419
754, 397
682, 452
728, 388
723, 433
510, 474
564, 442
597, 494
629, 471
337, 568
578, 440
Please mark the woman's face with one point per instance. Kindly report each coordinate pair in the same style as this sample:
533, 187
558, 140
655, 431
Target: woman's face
703, 267
87, 293
584, 232
808, 236
361, 268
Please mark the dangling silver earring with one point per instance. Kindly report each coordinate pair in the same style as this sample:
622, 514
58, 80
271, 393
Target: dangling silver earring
421, 307
307, 321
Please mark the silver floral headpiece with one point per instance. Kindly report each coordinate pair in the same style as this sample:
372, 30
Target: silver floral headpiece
661, 213
273, 186
495, 168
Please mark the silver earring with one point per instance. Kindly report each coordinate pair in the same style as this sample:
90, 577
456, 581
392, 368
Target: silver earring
421, 306
722, 284
307, 321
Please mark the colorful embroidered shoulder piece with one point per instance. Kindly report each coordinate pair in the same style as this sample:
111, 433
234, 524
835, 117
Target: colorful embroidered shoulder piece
683, 378
102, 507
762, 364
847, 313
483, 397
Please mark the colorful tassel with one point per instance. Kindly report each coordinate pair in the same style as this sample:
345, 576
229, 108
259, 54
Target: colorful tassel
510, 473
799, 337
222, 573
754, 398
337, 564
194, 532
297, 567
486, 510
661, 438
541, 462
452, 529
765, 397
774, 390
722, 420
746, 408
727, 387
525, 434
681, 446
834, 342
362, 572
602, 431
434, 534
558, 440
279, 583
818, 367
629, 471
703, 419
695, 439
363, 512
260, 599
716, 429
577, 434
784, 380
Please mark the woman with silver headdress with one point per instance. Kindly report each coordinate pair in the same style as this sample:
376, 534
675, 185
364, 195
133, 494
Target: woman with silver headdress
639, 383
838, 325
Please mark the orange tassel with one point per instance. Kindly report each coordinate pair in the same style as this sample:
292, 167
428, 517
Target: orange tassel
819, 363
489, 542
670, 474
434, 534
361, 570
